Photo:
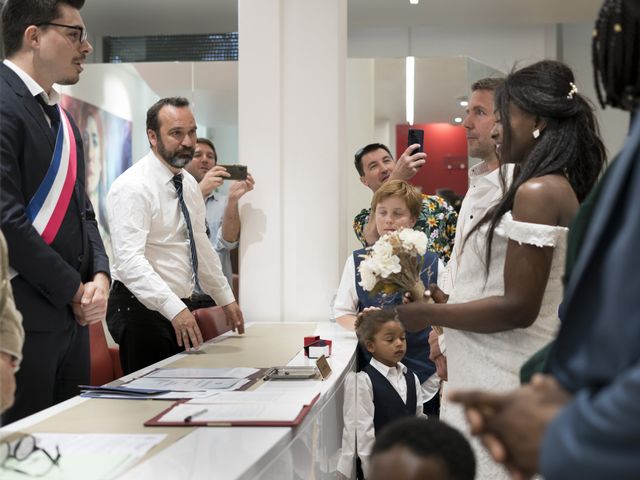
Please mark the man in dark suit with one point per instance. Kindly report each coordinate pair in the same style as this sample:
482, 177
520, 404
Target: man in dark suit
59, 267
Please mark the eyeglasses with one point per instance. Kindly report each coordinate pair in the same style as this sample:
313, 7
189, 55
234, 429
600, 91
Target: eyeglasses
20, 451
79, 37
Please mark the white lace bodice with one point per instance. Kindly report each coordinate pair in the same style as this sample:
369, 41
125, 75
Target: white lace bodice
493, 361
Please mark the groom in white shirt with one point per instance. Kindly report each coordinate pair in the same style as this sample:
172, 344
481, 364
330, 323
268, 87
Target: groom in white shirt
163, 260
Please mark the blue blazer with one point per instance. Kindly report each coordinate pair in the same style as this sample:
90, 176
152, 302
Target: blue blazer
597, 353
49, 275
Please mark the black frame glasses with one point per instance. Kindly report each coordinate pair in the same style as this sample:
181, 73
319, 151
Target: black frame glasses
23, 449
82, 37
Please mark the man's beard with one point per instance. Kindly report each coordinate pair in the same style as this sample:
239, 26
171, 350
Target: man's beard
179, 158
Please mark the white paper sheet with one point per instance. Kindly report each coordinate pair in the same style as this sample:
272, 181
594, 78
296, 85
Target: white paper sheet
238, 372
299, 397
186, 384
227, 413
82, 456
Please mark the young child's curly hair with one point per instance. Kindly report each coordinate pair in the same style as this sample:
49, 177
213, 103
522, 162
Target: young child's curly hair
369, 323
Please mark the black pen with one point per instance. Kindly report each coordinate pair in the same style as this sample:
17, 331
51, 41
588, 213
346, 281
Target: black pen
188, 418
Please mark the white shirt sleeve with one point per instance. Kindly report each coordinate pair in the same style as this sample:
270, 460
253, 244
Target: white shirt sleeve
365, 430
419, 398
212, 280
348, 451
220, 244
346, 302
442, 343
129, 221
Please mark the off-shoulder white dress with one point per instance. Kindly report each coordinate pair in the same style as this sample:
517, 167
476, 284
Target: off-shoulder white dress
492, 361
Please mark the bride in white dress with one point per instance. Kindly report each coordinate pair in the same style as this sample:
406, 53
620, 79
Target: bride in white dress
504, 304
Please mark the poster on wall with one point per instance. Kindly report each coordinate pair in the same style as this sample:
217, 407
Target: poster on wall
107, 153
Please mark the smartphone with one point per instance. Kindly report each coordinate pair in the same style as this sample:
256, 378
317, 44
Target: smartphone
416, 136
237, 172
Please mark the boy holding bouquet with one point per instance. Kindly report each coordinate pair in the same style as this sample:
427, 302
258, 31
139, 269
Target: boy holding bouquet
397, 263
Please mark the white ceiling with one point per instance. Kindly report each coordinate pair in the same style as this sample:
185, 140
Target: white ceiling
400, 13
147, 17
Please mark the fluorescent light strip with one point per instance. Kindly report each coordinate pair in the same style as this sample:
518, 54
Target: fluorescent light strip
410, 73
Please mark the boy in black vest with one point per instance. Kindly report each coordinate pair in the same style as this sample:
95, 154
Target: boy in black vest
385, 389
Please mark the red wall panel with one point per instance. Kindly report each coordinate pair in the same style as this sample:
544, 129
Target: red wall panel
446, 149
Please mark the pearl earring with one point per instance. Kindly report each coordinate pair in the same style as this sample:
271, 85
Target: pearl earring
536, 133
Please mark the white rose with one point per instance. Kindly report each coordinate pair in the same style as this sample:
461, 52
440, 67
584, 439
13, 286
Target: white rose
388, 265
368, 278
382, 248
414, 240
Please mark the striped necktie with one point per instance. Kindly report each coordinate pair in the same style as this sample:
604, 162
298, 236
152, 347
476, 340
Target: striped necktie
177, 182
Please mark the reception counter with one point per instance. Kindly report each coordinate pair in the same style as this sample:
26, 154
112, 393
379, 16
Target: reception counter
308, 451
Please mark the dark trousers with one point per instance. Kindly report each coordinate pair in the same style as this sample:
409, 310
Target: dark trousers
431, 408
53, 365
144, 336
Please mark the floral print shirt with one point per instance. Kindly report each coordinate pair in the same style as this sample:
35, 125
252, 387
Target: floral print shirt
437, 220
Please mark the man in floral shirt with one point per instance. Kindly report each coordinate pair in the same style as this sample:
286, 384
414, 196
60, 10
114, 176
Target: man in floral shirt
437, 219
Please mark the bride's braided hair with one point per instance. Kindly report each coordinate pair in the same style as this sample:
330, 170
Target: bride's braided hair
569, 145
615, 54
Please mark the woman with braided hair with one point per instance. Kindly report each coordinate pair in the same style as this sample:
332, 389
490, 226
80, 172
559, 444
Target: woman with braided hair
581, 419
504, 306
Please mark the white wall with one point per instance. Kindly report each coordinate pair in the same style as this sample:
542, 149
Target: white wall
117, 89
293, 134
360, 132
499, 47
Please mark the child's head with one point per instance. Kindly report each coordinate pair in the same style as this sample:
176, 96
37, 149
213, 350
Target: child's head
414, 448
395, 204
382, 334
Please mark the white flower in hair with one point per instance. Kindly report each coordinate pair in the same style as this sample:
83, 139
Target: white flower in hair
573, 91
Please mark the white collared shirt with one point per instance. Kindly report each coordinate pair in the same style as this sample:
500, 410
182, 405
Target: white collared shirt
485, 190
358, 435
152, 256
34, 87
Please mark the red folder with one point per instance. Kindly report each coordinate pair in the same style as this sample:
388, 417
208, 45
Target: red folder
157, 422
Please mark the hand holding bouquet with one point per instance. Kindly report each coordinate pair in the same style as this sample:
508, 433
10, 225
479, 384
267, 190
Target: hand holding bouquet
394, 263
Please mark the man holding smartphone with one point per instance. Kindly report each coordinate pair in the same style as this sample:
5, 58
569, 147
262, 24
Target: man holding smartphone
223, 217
437, 219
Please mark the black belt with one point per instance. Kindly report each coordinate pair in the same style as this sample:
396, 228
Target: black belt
193, 302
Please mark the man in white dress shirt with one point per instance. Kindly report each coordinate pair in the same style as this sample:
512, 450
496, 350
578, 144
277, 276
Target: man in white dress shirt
223, 215
163, 259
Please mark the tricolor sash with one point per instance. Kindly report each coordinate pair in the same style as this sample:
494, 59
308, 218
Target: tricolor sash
47, 208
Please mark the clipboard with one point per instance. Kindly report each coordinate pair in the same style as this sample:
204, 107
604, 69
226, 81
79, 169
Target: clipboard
156, 421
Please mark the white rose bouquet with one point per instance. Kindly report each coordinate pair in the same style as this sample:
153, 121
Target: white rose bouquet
394, 263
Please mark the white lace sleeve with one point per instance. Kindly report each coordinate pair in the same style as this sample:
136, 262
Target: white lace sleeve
532, 233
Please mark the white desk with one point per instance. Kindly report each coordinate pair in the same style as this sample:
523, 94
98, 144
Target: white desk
304, 452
